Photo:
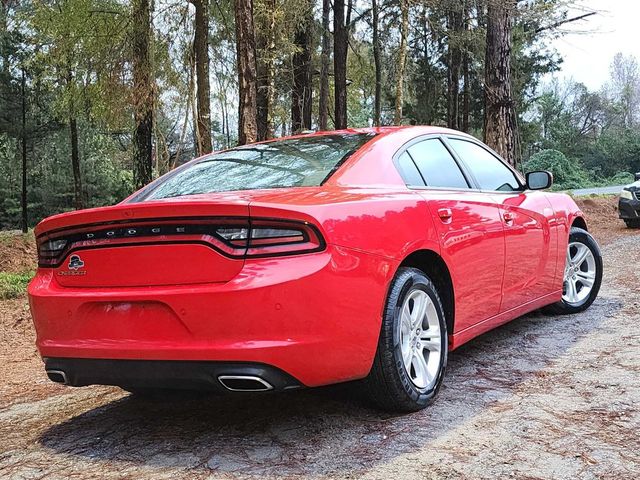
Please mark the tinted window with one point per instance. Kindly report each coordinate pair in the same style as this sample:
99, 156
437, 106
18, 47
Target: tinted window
437, 166
490, 172
299, 162
409, 171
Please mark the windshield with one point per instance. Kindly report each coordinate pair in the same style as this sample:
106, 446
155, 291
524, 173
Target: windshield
299, 162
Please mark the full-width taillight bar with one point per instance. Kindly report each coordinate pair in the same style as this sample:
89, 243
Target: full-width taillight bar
233, 237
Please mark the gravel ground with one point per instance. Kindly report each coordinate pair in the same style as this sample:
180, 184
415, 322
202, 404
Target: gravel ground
541, 397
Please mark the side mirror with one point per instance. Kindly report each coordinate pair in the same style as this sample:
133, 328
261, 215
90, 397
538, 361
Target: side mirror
539, 180
636, 177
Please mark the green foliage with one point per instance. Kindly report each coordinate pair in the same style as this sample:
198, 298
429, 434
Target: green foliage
81, 55
64, 59
570, 174
13, 285
566, 174
615, 150
620, 178
361, 89
105, 170
598, 132
72, 59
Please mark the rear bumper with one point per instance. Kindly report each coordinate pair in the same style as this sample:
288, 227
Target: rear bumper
78, 372
316, 317
629, 209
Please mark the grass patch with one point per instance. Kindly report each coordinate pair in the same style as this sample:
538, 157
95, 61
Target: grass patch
13, 285
9, 237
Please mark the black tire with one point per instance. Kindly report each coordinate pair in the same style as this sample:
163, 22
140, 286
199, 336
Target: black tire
388, 385
632, 222
565, 308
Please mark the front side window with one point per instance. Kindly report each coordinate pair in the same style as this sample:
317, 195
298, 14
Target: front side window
436, 165
299, 162
489, 171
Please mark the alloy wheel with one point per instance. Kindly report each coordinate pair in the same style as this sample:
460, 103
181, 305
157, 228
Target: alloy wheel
579, 273
420, 339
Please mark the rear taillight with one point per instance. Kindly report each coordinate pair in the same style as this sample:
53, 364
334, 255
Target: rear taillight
282, 237
50, 251
233, 237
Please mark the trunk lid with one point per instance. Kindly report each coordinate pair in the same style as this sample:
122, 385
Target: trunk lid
175, 242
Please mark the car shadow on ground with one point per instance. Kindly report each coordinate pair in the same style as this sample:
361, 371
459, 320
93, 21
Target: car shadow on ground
321, 431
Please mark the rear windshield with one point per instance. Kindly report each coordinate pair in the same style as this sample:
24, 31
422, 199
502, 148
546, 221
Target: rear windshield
300, 162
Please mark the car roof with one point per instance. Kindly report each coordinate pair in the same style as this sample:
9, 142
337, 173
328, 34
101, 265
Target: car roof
371, 164
377, 170
386, 130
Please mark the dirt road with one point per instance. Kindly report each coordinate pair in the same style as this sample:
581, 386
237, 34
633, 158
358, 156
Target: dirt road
542, 397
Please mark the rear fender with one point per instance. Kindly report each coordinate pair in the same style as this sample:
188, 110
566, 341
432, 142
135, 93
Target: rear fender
396, 223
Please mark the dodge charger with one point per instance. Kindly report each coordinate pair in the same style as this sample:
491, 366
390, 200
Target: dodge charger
356, 255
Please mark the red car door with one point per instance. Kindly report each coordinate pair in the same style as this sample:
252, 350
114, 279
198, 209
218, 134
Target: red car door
531, 247
530, 242
469, 226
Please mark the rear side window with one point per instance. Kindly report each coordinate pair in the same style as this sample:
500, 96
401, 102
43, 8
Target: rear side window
409, 171
436, 165
297, 162
489, 171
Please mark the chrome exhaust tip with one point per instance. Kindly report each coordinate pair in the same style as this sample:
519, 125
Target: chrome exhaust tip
57, 376
244, 383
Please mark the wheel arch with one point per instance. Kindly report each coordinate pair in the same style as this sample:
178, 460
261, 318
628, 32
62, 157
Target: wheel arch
579, 222
434, 266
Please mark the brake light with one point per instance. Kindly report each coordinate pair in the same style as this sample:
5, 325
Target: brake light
50, 250
233, 237
282, 237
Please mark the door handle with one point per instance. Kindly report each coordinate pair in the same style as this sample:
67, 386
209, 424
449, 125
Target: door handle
508, 218
445, 215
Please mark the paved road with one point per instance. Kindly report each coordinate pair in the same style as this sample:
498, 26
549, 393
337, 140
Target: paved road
598, 190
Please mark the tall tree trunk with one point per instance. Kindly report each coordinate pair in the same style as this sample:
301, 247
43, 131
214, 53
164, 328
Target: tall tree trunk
75, 153
302, 74
224, 123
247, 72
143, 93
463, 122
193, 100
466, 92
262, 87
340, 46
203, 88
266, 44
402, 60
455, 31
377, 100
500, 122
429, 85
307, 103
75, 162
4, 9
23, 198
323, 102
226, 129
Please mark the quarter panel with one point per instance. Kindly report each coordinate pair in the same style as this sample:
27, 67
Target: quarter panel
389, 223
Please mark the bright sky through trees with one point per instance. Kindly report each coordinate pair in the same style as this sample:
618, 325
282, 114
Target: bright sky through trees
589, 51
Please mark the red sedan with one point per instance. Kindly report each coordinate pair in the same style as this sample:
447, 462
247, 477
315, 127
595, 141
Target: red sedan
357, 254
